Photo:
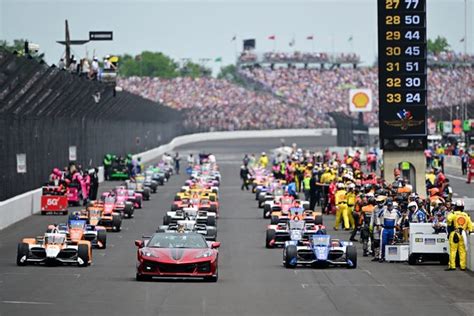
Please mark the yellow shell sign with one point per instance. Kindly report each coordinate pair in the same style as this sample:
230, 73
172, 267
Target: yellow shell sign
360, 100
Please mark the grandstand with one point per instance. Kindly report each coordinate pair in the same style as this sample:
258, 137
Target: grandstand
295, 90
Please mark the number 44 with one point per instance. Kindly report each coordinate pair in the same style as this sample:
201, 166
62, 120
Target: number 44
411, 35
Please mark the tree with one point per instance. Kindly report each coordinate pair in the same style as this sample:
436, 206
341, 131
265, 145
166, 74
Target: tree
18, 46
148, 64
440, 44
229, 73
190, 69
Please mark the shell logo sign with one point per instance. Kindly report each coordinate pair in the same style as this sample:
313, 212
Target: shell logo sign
360, 100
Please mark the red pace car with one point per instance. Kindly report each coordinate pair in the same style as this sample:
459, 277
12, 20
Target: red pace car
177, 255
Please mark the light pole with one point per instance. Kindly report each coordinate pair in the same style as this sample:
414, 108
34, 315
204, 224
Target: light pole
465, 27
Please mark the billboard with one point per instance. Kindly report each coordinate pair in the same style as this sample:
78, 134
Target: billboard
360, 100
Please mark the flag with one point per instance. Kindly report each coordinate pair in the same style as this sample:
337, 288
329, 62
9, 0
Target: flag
461, 40
218, 60
292, 42
350, 39
271, 37
310, 37
233, 38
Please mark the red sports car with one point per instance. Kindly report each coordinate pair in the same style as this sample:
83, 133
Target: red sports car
177, 255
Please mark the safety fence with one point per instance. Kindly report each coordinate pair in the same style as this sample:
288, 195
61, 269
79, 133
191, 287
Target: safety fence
49, 117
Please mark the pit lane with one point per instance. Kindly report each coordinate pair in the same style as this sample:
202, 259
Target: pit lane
252, 280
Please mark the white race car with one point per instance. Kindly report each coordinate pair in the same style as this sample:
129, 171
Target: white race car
53, 248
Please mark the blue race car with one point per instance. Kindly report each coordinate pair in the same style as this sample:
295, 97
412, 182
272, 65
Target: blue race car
319, 251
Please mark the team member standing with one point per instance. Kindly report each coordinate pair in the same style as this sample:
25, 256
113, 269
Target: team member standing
341, 207
470, 168
366, 215
459, 225
351, 201
389, 219
375, 228
263, 160
244, 175
177, 161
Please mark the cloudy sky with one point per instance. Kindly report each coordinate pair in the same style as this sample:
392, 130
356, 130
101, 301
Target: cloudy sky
204, 29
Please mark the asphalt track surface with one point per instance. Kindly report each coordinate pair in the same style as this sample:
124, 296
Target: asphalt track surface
252, 280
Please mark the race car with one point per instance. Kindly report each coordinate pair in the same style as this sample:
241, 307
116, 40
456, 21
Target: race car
282, 204
277, 235
209, 232
53, 248
139, 187
296, 212
192, 213
102, 215
115, 203
275, 192
149, 182
122, 194
320, 251
177, 255
77, 230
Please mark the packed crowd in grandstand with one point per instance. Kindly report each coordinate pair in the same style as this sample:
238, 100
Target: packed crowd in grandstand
291, 97
215, 104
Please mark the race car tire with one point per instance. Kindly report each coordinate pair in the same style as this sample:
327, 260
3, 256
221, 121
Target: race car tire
83, 253
261, 201
212, 278
23, 250
141, 277
146, 194
291, 256
174, 207
274, 220
267, 210
128, 210
318, 220
351, 254
213, 208
257, 193
102, 237
211, 221
212, 233
270, 236
116, 223
166, 220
